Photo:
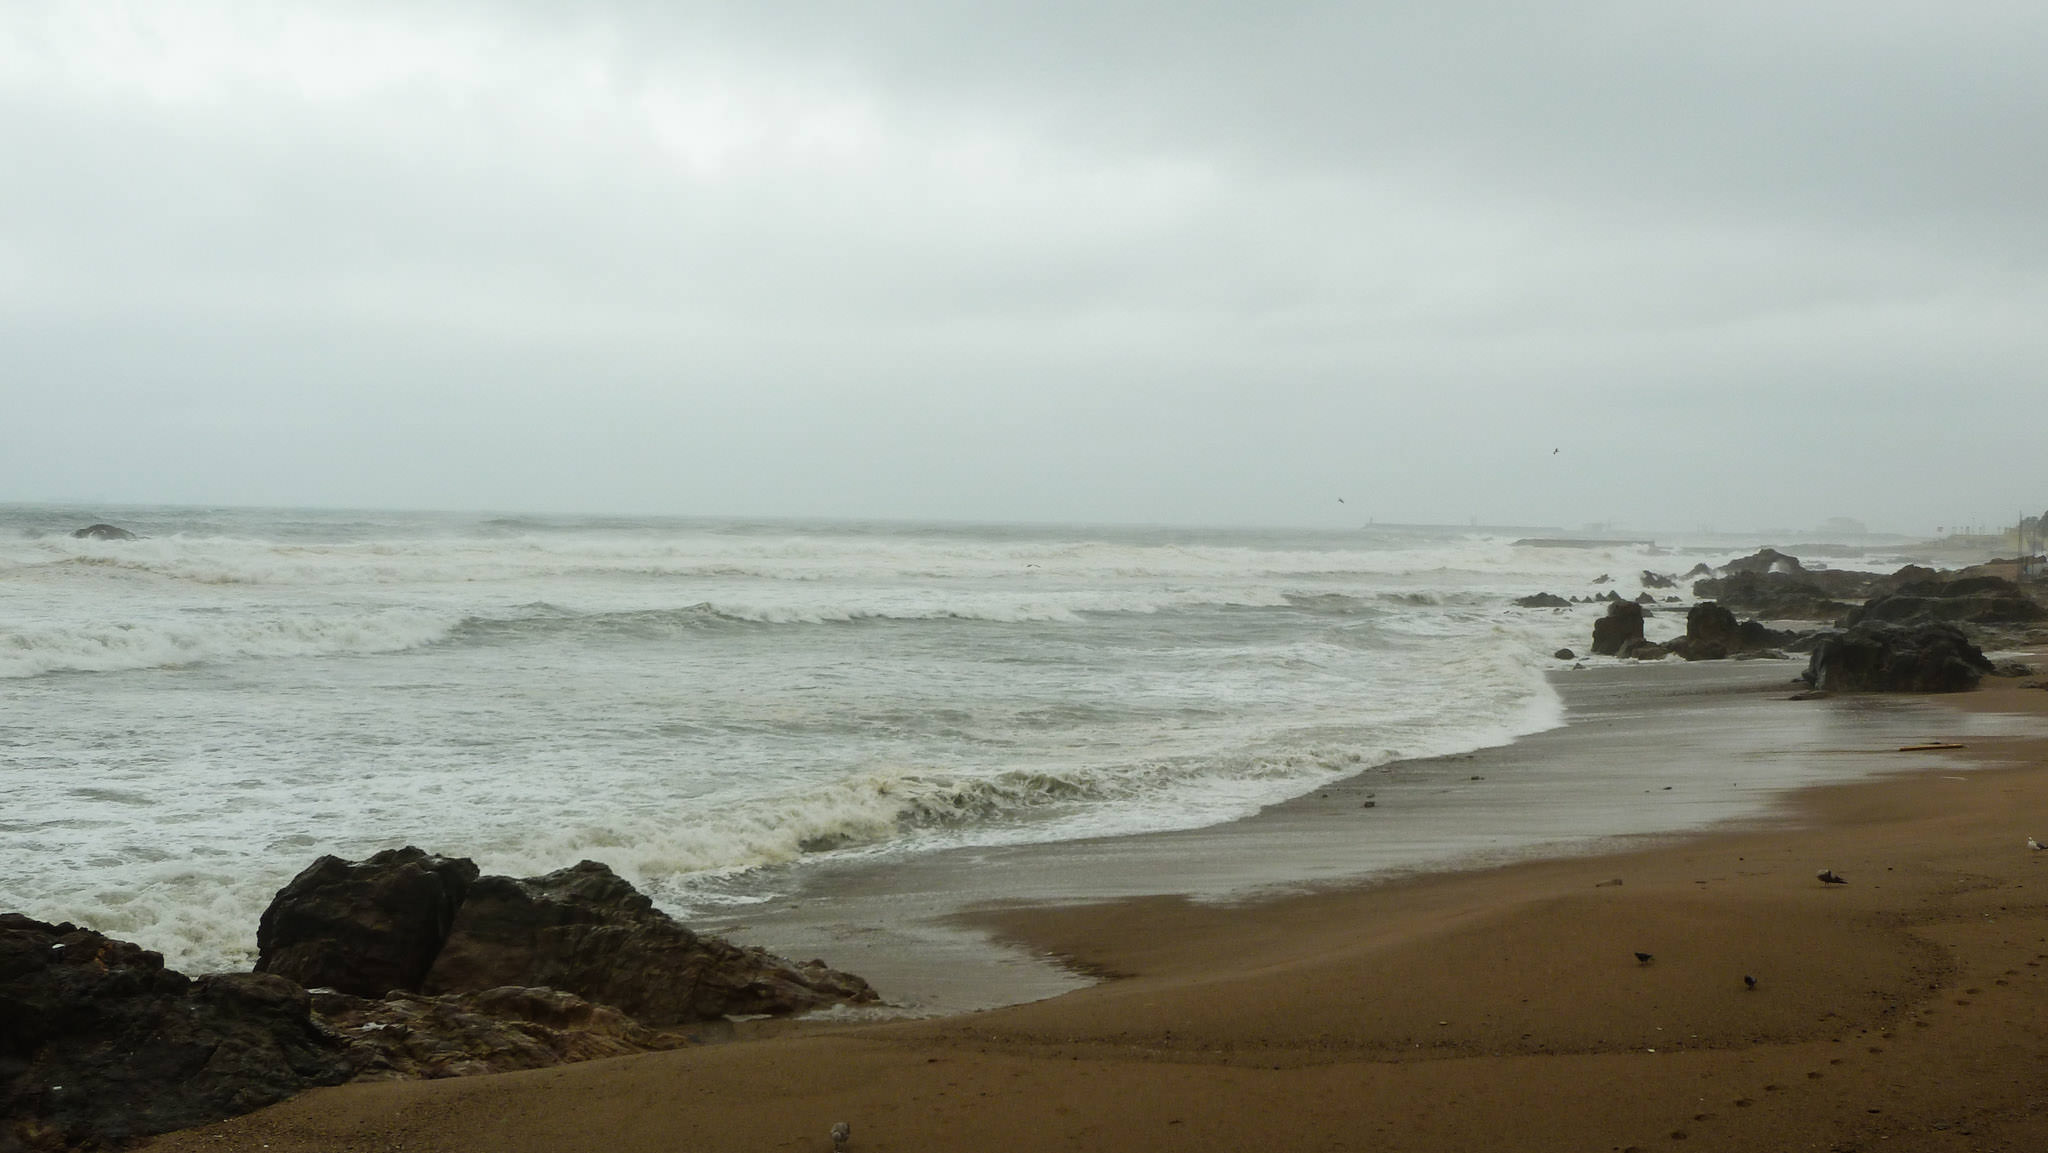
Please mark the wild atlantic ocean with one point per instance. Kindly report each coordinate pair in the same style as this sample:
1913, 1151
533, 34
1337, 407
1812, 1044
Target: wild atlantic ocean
189, 718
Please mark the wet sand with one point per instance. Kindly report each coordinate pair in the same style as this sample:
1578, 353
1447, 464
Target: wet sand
1272, 984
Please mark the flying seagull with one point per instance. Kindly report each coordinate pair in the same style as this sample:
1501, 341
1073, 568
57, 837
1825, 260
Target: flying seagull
1830, 877
840, 1132
1644, 958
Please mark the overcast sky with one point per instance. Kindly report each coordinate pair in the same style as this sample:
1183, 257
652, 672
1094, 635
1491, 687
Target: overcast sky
1732, 265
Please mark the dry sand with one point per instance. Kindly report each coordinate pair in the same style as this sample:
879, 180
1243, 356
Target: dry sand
1498, 1008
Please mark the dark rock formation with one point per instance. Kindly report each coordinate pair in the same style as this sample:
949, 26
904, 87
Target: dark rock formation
1786, 591
1765, 560
1622, 624
1712, 633
103, 532
587, 931
1565, 655
1876, 657
1776, 596
1543, 601
1642, 650
410, 1035
363, 927
406, 920
1645, 599
101, 1045
1653, 580
1984, 600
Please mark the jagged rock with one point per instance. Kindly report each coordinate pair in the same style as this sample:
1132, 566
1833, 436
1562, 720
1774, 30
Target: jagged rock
1653, 580
1764, 560
101, 1045
1543, 601
1876, 657
1565, 655
1695, 572
412, 1035
1622, 624
1645, 599
1642, 650
363, 927
1712, 633
1602, 579
102, 532
587, 931
1779, 596
1971, 600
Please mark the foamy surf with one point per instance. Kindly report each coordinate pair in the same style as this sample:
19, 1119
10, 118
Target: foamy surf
194, 716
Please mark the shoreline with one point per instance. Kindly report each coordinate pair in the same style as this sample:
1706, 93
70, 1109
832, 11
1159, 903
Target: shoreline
1494, 1004
1619, 771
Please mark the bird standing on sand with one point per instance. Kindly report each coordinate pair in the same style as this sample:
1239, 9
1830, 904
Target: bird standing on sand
1644, 958
2035, 845
1830, 877
840, 1132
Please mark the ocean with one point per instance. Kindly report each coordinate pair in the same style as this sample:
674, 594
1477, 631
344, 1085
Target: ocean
709, 706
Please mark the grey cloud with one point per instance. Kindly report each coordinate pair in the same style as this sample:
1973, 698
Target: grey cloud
1134, 261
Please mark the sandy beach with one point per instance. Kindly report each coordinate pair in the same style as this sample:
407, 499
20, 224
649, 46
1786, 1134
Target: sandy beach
1284, 995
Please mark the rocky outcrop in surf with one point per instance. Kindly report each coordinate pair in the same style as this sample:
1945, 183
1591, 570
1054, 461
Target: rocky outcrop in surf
1713, 633
586, 930
102, 532
363, 927
1623, 625
1982, 600
409, 921
1876, 657
100, 1045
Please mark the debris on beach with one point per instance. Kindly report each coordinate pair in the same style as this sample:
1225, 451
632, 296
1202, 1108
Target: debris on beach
1830, 877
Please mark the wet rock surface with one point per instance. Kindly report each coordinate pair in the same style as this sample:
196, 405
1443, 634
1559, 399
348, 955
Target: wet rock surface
1623, 625
363, 927
100, 1045
587, 931
1713, 633
1877, 657
412, 1035
1984, 600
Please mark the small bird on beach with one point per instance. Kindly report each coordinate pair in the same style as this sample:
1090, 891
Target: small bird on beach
2035, 845
840, 1132
1830, 877
1749, 982
1644, 958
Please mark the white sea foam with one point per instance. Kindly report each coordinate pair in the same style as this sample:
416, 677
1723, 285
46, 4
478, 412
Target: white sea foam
196, 715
